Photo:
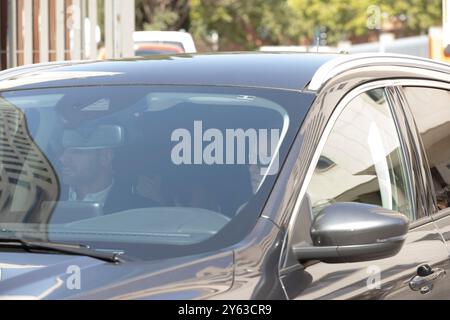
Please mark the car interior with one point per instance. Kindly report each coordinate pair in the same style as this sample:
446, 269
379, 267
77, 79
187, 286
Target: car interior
195, 199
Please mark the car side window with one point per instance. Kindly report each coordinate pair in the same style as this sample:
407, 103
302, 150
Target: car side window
431, 110
362, 160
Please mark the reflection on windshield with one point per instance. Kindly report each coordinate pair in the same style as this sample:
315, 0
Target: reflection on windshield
109, 165
27, 178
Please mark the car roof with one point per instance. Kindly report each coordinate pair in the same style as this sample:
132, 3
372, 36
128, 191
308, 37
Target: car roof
416, 66
288, 71
291, 71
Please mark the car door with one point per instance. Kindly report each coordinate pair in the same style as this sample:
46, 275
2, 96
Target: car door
366, 158
429, 106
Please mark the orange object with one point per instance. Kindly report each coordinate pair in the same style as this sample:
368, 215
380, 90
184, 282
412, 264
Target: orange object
145, 49
437, 49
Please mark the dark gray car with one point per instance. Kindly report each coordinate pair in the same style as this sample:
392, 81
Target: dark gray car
226, 176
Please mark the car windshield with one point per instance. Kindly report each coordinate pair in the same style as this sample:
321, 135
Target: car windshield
153, 171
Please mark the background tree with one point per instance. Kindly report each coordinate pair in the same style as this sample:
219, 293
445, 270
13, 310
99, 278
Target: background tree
248, 24
162, 15
241, 24
347, 19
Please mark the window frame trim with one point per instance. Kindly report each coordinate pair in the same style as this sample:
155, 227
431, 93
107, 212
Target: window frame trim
428, 84
396, 110
331, 121
389, 94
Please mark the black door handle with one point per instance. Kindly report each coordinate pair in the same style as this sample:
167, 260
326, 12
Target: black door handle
425, 279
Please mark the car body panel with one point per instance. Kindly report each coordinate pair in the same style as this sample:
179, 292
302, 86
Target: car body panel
45, 276
256, 265
379, 279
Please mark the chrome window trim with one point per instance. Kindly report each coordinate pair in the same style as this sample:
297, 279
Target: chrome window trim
436, 84
430, 84
324, 138
393, 106
337, 66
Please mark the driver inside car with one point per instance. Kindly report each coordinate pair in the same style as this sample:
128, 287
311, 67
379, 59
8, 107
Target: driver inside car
87, 172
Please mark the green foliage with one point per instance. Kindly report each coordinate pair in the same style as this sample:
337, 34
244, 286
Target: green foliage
162, 14
242, 24
341, 18
348, 18
248, 24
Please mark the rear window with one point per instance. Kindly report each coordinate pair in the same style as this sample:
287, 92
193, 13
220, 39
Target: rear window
183, 169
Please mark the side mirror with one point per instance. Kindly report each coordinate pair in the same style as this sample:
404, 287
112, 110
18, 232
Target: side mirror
354, 232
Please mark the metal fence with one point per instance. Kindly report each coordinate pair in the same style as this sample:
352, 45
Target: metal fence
33, 31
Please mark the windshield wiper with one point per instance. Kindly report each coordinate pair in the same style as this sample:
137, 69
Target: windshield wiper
71, 249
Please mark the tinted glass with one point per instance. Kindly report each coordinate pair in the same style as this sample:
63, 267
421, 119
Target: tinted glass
431, 109
362, 159
124, 167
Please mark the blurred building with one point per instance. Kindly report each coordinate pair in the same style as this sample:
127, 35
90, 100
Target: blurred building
415, 46
27, 179
33, 31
